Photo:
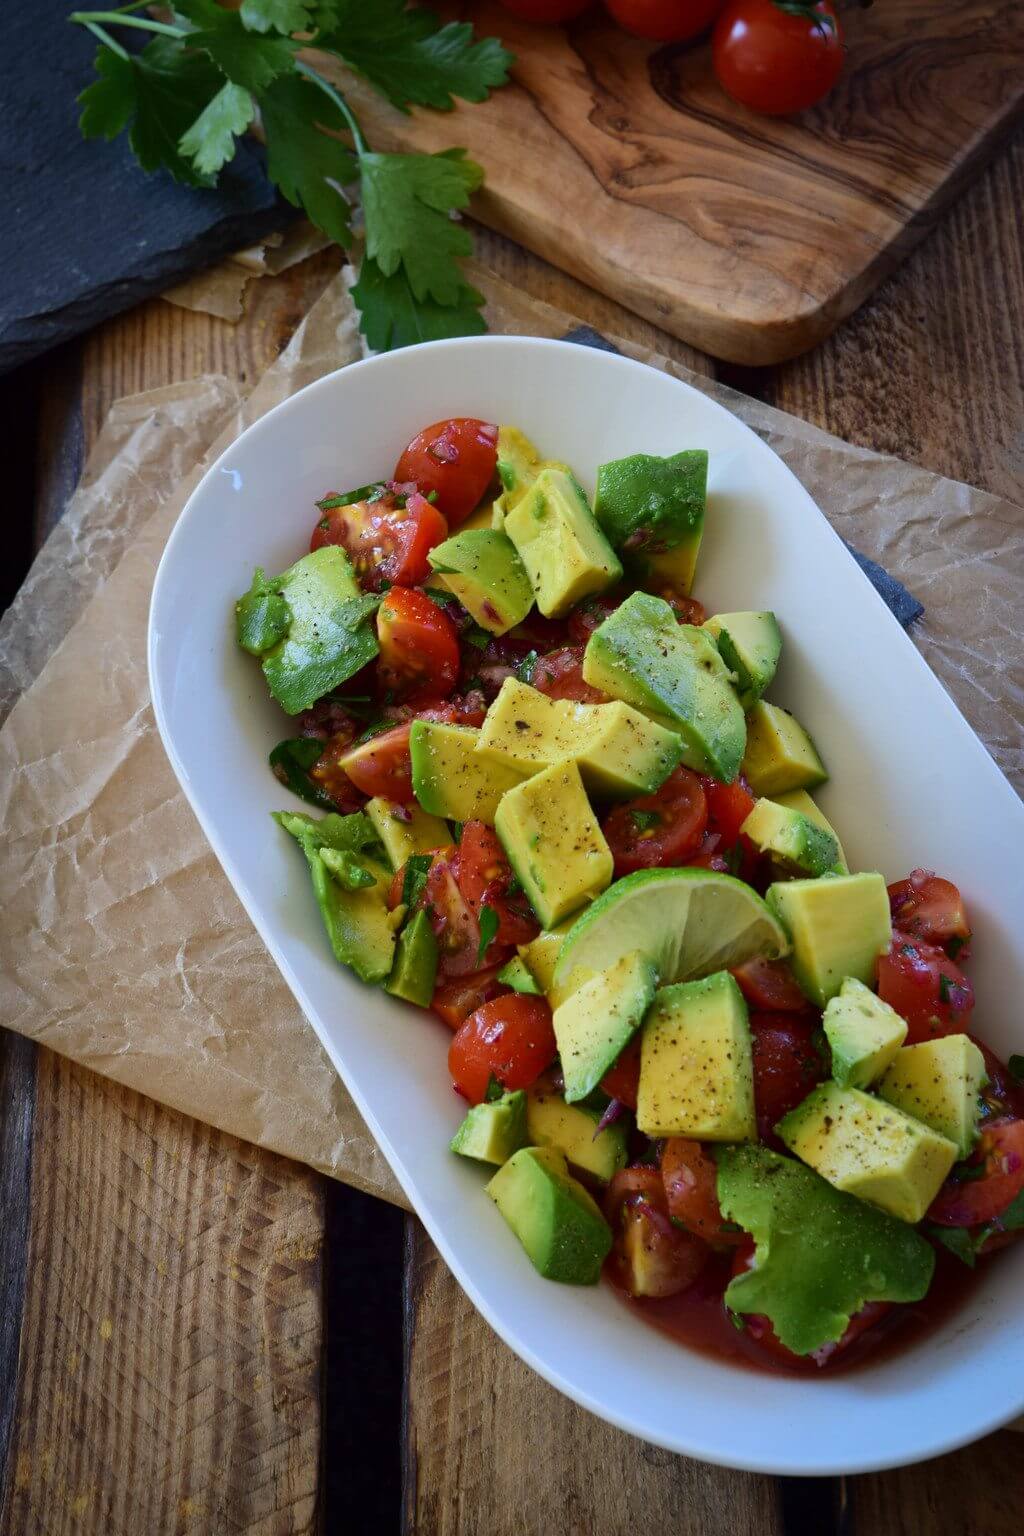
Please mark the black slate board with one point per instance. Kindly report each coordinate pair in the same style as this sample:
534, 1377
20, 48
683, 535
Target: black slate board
85, 232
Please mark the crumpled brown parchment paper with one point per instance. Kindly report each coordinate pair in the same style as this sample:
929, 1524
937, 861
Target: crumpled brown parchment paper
122, 944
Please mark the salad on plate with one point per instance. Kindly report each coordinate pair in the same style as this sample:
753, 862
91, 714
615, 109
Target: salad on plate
698, 1054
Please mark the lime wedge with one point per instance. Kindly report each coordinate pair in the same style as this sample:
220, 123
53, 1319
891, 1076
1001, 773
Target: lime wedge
689, 922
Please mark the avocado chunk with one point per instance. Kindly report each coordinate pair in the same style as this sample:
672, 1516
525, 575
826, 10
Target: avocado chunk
598, 1019
820, 1255
566, 555
308, 626
792, 839
405, 830
541, 955
572, 1130
620, 753
640, 654
414, 971
553, 1216
780, 755
359, 926
491, 1133
652, 510
864, 1034
517, 975
450, 778
519, 464
553, 841
869, 1149
696, 1064
938, 1082
838, 926
750, 645
800, 800
483, 570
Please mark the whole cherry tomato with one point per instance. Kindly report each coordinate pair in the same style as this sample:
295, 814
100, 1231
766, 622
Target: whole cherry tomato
777, 61
665, 21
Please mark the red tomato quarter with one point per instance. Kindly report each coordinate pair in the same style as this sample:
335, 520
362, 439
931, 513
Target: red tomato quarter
770, 986
454, 1000
622, 1081
510, 1039
786, 1068
729, 805
381, 766
691, 1189
665, 21
651, 1257
455, 459
385, 542
419, 645
973, 1202
662, 829
559, 674
926, 988
485, 879
931, 909
773, 60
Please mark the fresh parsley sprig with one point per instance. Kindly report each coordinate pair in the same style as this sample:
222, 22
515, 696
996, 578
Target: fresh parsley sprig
206, 75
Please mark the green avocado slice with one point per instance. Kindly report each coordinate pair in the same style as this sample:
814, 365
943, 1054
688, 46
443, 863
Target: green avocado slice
820, 1255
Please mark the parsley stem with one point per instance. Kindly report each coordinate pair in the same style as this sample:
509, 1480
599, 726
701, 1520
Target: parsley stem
121, 19
339, 101
103, 36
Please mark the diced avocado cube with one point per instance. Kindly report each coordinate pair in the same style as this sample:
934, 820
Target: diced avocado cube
696, 1064
792, 839
483, 570
414, 971
750, 645
405, 830
869, 1149
620, 752
800, 800
594, 1024
553, 841
517, 975
492, 1133
864, 1034
938, 1082
780, 755
640, 654
519, 464
451, 779
838, 926
566, 555
326, 638
554, 1217
572, 1130
652, 510
541, 955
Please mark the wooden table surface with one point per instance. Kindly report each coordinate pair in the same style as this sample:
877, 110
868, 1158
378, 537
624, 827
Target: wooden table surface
199, 1337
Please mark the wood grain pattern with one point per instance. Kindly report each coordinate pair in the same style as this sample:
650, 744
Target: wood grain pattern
750, 237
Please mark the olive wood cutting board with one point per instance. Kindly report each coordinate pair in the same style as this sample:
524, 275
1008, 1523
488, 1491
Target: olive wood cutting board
751, 237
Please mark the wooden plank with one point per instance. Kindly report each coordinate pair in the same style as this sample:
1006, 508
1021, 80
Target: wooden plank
492, 1450
974, 1492
748, 236
169, 1373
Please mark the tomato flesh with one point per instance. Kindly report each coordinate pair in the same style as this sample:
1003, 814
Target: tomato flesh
658, 830
974, 1202
328, 771
786, 1067
729, 805
559, 674
774, 61
770, 987
664, 21
454, 461
385, 542
652, 1257
485, 879
510, 1039
382, 765
419, 645
691, 1190
926, 988
931, 909
455, 924
622, 1081
456, 998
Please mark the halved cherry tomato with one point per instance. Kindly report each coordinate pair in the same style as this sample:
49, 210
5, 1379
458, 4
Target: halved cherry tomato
770, 986
665, 21
776, 60
786, 1067
382, 766
419, 646
452, 918
454, 1000
652, 1257
457, 459
385, 542
975, 1201
641, 1181
657, 830
622, 1081
547, 12
926, 988
729, 805
559, 674
759, 1328
691, 1189
932, 910
485, 878
328, 772
510, 1039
